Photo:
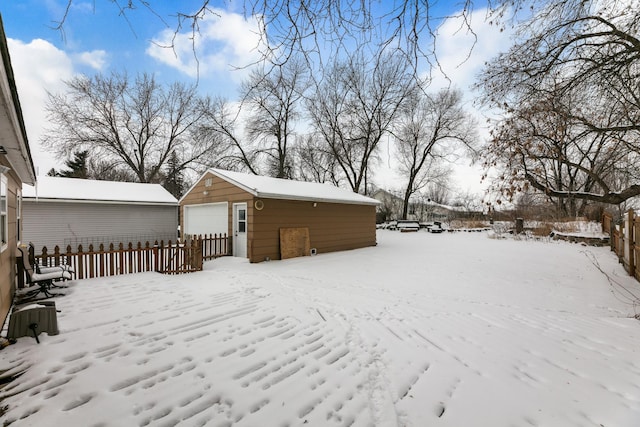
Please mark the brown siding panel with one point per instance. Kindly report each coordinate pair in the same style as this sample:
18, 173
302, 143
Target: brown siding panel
8, 256
332, 226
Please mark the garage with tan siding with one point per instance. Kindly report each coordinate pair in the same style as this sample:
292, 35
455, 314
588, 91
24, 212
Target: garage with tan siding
270, 218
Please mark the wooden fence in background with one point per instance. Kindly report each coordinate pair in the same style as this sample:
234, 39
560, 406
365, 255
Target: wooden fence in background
625, 239
168, 258
213, 245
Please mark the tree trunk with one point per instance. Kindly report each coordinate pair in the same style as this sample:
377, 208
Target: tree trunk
407, 195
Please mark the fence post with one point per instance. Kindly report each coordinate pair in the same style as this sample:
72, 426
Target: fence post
195, 254
92, 265
121, 258
70, 259
631, 243
56, 256
130, 258
611, 229
140, 265
155, 257
636, 239
112, 260
80, 271
147, 256
101, 259
45, 257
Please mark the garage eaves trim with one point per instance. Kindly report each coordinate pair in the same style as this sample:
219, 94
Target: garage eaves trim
287, 189
14, 134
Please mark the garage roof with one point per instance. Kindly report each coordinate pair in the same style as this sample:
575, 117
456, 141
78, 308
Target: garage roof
277, 188
49, 188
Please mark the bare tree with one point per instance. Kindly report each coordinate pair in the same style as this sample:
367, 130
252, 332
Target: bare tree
314, 163
468, 203
222, 119
571, 83
540, 145
427, 123
107, 171
355, 106
275, 103
438, 191
131, 125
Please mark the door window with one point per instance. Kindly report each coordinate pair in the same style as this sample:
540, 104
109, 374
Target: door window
242, 220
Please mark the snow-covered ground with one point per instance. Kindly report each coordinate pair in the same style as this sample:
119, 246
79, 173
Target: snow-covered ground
422, 330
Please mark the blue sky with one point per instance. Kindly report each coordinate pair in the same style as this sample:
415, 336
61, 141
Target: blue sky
96, 39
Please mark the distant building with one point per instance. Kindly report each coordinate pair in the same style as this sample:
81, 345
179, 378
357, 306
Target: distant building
74, 211
390, 208
270, 218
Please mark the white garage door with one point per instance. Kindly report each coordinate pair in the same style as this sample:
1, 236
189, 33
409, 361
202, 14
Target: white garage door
210, 218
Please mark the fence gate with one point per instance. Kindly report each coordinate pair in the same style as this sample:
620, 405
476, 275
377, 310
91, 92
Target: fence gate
625, 238
178, 258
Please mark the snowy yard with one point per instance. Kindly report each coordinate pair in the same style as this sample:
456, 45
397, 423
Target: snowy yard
422, 330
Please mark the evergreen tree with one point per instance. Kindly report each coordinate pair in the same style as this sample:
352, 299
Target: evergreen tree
76, 167
174, 179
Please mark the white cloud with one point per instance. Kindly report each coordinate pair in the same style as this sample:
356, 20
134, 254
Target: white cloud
462, 52
85, 7
38, 66
96, 59
224, 42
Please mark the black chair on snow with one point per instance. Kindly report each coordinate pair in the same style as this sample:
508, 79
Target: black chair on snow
45, 269
43, 277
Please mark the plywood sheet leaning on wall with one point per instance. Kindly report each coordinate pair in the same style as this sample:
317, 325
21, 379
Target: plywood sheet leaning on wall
294, 242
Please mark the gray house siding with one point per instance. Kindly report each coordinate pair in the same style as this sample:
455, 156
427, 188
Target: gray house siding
50, 224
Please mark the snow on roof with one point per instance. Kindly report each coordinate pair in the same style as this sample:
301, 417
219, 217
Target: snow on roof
277, 188
88, 190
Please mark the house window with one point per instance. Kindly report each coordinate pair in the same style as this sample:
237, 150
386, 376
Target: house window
4, 227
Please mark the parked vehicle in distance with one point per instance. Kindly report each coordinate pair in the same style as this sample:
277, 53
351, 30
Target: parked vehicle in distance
407, 225
436, 227
433, 227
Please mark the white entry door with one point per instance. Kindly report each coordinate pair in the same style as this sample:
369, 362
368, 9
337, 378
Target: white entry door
240, 230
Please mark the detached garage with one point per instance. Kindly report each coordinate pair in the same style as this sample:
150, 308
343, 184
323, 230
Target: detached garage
271, 218
73, 211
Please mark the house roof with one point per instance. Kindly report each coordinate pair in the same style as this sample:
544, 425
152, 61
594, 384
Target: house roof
381, 195
277, 188
49, 188
14, 135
